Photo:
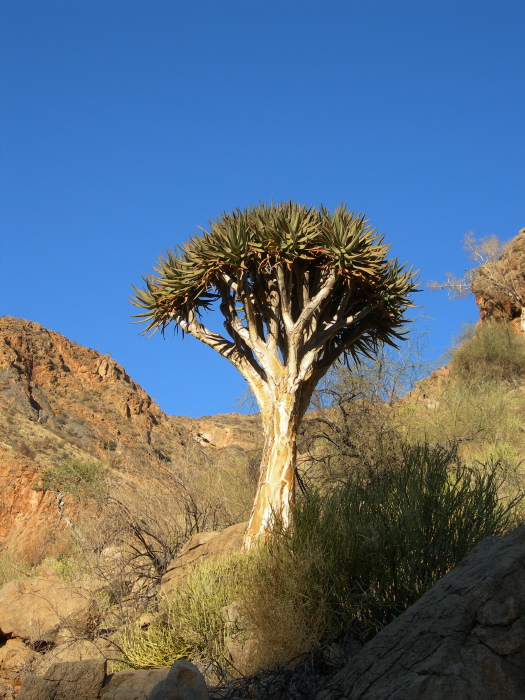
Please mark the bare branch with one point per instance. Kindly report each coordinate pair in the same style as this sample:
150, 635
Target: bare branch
284, 294
455, 286
314, 304
252, 373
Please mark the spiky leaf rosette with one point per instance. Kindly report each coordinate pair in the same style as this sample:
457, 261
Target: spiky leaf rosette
287, 276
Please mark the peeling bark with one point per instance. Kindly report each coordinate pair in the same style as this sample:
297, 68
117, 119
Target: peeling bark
276, 488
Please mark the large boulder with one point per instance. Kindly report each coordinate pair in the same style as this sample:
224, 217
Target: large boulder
36, 609
463, 640
200, 546
133, 685
82, 680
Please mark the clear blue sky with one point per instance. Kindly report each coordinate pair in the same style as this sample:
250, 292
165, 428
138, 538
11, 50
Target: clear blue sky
125, 124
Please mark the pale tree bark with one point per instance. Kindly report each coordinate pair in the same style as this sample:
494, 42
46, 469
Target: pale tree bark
275, 494
282, 363
276, 488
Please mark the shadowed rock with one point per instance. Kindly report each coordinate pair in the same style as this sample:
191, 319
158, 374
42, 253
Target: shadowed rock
463, 640
183, 682
81, 680
132, 685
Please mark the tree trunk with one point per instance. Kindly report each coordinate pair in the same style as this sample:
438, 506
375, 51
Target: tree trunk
276, 489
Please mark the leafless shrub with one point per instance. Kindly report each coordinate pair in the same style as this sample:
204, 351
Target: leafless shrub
354, 424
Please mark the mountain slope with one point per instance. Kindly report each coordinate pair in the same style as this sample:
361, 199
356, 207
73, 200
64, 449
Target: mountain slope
60, 401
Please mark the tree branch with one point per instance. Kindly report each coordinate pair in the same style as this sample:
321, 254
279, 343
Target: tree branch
319, 339
284, 294
313, 304
251, 372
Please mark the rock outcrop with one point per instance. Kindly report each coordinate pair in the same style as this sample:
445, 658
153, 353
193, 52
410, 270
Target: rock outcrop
499, 286
463, 640
60, 401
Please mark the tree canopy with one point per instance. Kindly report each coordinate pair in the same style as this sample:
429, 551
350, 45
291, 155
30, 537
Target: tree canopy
299, 273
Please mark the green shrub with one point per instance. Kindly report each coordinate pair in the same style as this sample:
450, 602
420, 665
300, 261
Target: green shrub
355, 559
189, 622
495, 352
76, 478
352, 561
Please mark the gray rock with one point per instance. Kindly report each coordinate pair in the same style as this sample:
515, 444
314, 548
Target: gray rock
81, 680
183, 682
132, 685
463, 640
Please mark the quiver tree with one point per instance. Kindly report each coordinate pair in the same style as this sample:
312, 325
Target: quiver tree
298, 288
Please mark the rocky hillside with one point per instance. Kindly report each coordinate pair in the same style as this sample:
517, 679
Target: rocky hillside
60, 401
499, 286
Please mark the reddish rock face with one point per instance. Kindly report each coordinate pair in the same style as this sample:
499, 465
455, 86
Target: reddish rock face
24, 512
60, 401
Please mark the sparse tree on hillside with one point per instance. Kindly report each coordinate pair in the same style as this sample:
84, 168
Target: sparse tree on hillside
483, 252
497, 278
299, 288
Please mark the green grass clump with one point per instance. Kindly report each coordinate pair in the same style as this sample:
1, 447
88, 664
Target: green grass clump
75, 477
189, 622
